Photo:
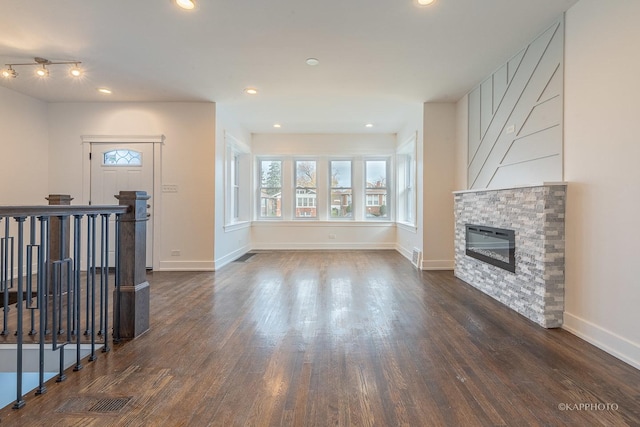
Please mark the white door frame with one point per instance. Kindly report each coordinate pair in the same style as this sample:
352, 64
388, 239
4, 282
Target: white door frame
87, 140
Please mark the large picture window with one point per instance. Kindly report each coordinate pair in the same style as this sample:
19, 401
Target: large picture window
376, 190
270, 188
341, 193
326, 189
306, 189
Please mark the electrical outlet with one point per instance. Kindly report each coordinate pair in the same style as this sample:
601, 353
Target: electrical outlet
332, 236
510, 129
175, 252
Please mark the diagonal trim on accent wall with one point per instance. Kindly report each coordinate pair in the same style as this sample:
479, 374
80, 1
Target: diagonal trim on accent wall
513, 127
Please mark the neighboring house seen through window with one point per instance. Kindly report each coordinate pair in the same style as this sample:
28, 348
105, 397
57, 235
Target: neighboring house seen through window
270, 188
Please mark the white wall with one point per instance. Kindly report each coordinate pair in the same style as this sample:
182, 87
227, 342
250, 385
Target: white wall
438, 184
602, 148
279, 234
462, 143
25, 148
231, 241
186, 219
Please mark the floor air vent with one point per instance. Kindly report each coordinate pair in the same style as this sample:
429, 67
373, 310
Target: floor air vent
416, 257
111, 405
245, 257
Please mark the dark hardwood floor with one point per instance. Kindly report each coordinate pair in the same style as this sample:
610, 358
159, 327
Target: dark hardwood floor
339, 338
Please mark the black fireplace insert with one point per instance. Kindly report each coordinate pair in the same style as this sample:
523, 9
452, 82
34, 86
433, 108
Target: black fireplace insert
495, 246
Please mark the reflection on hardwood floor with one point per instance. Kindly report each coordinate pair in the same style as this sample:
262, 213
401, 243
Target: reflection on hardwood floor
338, 338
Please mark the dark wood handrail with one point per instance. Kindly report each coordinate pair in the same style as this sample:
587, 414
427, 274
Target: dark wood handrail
60, 210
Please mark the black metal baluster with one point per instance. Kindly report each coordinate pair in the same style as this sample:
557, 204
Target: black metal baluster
47, 276
7, 274
3, 280
76, 257
116, 321
102, 274
32, 240
88, 287
92, 220
105, 269
42, 301
19, 398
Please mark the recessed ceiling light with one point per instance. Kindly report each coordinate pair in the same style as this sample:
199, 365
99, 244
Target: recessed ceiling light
251, 91
312, 61
368, 125
425, 2
277, 125
186, 4
104, 90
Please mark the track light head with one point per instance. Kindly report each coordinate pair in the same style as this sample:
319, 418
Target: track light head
42, 72
9, 73
75, 71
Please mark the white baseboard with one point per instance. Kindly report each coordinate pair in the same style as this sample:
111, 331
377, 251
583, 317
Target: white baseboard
186, 266
445, 264
620, 347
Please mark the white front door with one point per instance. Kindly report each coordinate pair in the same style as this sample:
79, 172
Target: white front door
122, 167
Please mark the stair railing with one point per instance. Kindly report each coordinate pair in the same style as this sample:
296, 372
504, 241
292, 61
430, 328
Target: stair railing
54, 302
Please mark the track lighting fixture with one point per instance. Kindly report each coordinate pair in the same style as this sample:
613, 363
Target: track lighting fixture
43, 68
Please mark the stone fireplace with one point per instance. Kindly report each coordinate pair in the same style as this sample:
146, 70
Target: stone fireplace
509, 243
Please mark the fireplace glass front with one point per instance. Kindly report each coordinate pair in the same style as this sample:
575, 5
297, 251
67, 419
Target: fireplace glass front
495, 246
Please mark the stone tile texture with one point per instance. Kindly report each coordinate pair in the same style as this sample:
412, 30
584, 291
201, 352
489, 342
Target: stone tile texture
536, 214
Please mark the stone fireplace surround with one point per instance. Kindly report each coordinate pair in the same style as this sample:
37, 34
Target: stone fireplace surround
536, 213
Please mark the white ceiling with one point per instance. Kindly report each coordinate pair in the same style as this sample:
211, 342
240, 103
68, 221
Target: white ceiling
379, 59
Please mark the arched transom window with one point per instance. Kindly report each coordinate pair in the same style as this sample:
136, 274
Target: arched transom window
122, 158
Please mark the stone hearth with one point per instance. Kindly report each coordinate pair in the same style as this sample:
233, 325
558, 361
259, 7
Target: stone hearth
536, 214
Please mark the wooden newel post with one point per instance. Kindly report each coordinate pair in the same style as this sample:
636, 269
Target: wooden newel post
134, 288
60, 236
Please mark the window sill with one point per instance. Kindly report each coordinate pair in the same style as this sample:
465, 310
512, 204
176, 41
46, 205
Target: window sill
407, 226
234, 226
318, 223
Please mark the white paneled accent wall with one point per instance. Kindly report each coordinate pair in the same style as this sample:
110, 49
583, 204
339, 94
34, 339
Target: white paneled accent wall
515, 118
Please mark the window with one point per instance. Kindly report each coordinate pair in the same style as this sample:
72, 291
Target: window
237, 182
408, 196
122, 158
406, 177
270, 188
306, 189
341, 191
235, 186
376, 189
